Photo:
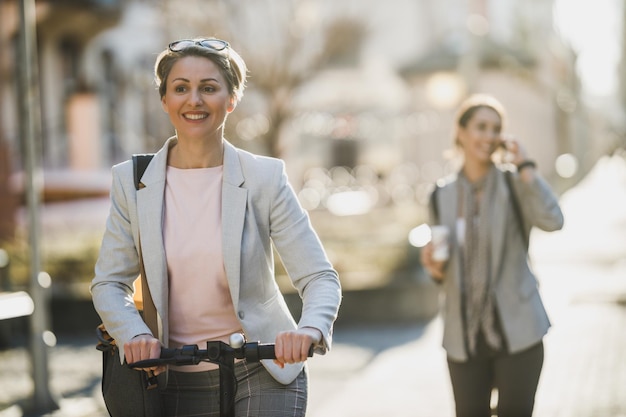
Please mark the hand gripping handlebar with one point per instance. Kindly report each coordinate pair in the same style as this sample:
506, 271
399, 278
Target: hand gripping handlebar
220, 353
216, 352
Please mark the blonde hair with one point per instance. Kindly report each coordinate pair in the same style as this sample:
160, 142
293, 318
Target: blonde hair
470, 105
464, 114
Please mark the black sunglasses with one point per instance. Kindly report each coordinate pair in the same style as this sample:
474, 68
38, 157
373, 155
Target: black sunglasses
214, 44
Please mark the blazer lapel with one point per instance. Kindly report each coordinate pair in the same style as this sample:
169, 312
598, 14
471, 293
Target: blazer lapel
449, 212
234, 200
498, 226
150, 218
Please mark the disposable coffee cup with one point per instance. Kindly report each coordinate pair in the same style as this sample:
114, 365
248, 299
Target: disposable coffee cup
439, 238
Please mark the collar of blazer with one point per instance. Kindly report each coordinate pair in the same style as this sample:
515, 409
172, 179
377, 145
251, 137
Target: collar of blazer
155, 172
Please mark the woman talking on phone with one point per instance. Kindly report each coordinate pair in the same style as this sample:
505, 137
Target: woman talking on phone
494, 318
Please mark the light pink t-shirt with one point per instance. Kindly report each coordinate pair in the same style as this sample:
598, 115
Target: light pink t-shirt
200, 305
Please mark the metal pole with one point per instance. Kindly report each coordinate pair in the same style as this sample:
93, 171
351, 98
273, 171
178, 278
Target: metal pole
42, 400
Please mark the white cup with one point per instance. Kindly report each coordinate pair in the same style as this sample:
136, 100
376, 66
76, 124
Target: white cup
439, 237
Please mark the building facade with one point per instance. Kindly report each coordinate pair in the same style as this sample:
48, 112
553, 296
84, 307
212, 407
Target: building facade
384, 98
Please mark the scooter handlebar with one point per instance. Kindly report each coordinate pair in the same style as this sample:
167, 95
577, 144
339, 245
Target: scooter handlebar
192, 355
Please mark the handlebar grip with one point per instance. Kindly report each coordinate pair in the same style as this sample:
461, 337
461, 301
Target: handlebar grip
190, 355
167, 356
167, 353
147, 363
266, 351
256, 351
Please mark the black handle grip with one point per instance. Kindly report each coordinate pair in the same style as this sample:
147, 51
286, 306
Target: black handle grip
184, 356
167, 353
265, 352
147, 363
255, 352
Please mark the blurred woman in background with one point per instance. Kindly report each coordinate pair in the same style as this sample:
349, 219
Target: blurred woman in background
494, 318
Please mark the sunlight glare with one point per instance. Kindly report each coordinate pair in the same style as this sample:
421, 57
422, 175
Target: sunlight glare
592, 29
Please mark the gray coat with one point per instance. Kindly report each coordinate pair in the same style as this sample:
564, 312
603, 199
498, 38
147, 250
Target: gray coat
519, 306
259, 208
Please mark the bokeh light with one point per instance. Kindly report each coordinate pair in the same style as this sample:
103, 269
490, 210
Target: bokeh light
445, 89
49, 338
349, 203
420, 236
566, 165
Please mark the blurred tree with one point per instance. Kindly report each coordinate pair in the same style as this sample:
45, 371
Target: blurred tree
284, 43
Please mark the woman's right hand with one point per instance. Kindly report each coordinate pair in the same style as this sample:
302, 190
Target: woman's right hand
142, 347
434, 268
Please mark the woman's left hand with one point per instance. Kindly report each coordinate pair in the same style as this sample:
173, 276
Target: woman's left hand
517, 155
434, 268
293, 346
514, 148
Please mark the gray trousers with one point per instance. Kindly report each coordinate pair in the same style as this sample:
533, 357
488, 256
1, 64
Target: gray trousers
258, 394
515, 376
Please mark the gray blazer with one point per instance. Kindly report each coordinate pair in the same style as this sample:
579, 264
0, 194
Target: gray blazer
518, 303
259, 208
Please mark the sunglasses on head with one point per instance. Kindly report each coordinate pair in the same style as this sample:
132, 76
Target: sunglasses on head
214, 44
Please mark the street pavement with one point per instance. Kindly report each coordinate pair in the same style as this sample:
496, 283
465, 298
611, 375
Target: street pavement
399, 369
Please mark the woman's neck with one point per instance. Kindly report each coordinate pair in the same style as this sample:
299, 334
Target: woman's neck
475, 171
196, 154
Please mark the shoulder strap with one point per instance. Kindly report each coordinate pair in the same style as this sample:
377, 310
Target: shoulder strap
516, 207
434, 204
140, 163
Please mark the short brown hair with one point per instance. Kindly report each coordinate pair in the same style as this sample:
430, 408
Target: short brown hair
230, 64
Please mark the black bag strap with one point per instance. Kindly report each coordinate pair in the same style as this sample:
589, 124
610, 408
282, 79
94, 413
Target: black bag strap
140, 163
516, 207
434, 204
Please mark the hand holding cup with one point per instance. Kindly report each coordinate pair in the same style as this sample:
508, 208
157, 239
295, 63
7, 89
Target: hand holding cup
436, 252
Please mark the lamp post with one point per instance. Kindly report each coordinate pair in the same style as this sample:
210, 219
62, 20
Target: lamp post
30, 127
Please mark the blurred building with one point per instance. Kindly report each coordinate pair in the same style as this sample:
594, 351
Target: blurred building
71, 123
509, 49
358, 96
392, 104
414, 63
365, 85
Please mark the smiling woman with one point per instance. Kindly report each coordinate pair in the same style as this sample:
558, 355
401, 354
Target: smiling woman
200, 82
210, 217
197, 100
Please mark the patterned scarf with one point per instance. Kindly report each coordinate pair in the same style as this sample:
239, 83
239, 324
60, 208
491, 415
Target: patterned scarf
476, 205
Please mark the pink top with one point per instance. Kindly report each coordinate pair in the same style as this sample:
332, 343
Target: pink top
200, 305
